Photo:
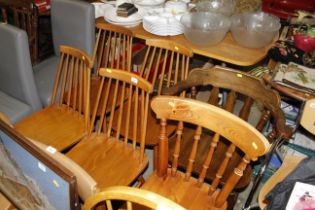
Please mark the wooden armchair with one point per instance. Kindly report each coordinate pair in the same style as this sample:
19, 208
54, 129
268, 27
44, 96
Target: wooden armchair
132, 197
106, 156
62, 124
181, 187
242, 94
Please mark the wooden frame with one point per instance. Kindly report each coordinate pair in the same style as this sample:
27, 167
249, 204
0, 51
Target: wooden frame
37, 153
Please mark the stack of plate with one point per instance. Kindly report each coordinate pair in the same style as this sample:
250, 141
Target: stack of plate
163, 22
130, 21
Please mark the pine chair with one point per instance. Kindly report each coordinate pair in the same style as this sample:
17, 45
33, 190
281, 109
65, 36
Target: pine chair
62, 124
244, 95
110, 158
113, 50
165, 63
181, 187
131, 198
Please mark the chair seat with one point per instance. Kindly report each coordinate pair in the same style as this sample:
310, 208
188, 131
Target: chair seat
203, 146
186, 193
109, 161
46, 126
13, 108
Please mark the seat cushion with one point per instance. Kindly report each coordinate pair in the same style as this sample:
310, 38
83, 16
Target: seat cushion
56, 126
45, 73
109, 161
13, 108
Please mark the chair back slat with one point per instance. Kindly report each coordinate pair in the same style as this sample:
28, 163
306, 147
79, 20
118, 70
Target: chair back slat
127, 111
165, 63
113, 47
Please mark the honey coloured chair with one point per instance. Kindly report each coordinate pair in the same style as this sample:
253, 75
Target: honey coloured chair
110, 158
131, 198
165, 63
181, 187
237, 92
113, 49
62, 124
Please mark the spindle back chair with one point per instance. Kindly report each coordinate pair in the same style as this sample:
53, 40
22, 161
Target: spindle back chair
181, 187
109, 157
64, 122
131, 198
113, 49
239, 93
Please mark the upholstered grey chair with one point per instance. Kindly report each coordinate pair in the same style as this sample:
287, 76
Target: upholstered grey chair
73, 24
18, 93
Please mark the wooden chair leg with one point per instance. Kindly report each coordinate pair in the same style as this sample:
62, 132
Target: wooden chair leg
155, 156
232, 199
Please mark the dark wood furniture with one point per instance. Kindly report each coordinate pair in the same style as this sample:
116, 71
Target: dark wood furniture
180, 186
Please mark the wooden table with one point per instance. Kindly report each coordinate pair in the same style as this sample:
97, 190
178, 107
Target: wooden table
226, 51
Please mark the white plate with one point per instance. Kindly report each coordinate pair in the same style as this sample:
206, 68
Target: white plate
148, 2
111, 15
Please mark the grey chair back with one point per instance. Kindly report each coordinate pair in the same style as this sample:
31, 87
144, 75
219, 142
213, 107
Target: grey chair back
16, 73
73, 24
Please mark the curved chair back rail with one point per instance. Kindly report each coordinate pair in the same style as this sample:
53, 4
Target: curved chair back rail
210, 120
131, 196
239, 82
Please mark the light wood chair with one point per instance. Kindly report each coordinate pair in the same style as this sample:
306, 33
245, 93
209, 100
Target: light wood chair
165, 64
131, 198
244, 95
62, 124
181, 187
107, 156
113, 49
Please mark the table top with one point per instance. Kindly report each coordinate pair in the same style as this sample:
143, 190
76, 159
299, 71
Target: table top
226, 51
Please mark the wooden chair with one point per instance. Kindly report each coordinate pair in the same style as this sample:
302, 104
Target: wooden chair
113, 49
131, 197
181, 187
61, 124
248, 98
25, 16
165, 63
108, 157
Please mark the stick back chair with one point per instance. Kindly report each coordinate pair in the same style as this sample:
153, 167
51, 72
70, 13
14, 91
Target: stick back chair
165, 63
131, 197
62, 124
244, 95
181, 187
110, 158
113, 49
